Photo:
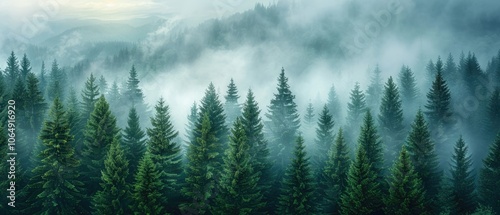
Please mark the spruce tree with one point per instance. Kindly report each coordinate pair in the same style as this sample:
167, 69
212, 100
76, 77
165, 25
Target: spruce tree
324, 140
61, 191
231, 107
462, 196
430, 72
114, 195
43, 79
374, 91
450, 70
133, 94
165, 153
297, 192
492, 118
75, 121
23, 146
355, 109
114, 94
99, 134
147, 189
90, 95
11, 71
103, 85
369, 140
309, 115
471, 74
25, 68
408, 89
56, 85
34, 107
362, 194
406, 194
391, 121
335, 175
489, 178
191, 124
239, 193
333, 104
424, 159
134, 142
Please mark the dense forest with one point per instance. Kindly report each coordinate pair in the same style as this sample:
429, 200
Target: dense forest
401, 148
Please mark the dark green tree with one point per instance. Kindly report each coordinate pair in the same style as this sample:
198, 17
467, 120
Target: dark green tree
362, 194
462, 196
57, 82
147, 189
191, 124
471, 73
134, 142
450, 72
355, 110
335, 175
11, 71
425, 161
25, 68
61, 191
231, 107
239, 192
297, 192
406, 194
369, 140
90, 95
34, 107
309, 115
492, 118
324, 140
431, 72
408, 89
390, 120
374, 91
114, 195
489, 178
103, 85
333, 104
133, 94
75, 121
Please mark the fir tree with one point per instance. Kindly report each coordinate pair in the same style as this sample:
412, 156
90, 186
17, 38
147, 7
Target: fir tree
192, 118
374, 91
462, 196
231, 107
309, 116
369, 140
61, 191
489, 178
25, 68
471, 74
90, 95
34, 107
408, 88
362, 193
113, 197
43, 79
147, 189
165, 153
12, 71
333, 103
450, 70
133, 93
23, 146
134, 141
391, 120
335, 175
56, 85
103, 85
431, 71
492, 119
297, 193
355, 109
324, 140
425, 161
406, 194
114, 94
239, 193
75, 121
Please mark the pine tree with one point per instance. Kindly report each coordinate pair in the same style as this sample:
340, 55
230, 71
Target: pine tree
61, 191
133, 93
374, 91
362, 193
165, 153
355, 109
34, 107
134, 142
114, 195
90, 95
431, 71
425, 161
324, 140
335, 175
43, 79
147, 189
231, 107
450, 70
239, 193
406, 194
297, 193
25, 68
471, 74
369, 140
103, 85
489, 178
12, 71
333, 103
56, 85
114, 94
309, 116
99, 134
75, 121
191, 125
462, 196
408, 88
492, 118
23, 146
391, 120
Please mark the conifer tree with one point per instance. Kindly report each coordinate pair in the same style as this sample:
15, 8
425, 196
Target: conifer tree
492, 119
333, 103
335, 175
133, 93
362, 193
99, 134
61, 191
75, 121
43, 79
11, 71
309, 115
114, 195
4, 166
165, 153
24, 147
231, 107
25, 68
431, 71
56, 85
90, 95
297, 192
114, 94
489, 178
369, 140
324, 140
471, 73
424, 159
192, 118
34, 107
408, 88
462, 196
355, 109
134, 142
374, 91
406, 194
239, 193
103, 85
450, 70
147, 189
391, 120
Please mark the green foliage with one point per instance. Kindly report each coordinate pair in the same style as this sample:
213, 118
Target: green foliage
333, 104
297, 192
134, 142
309, 116
11, 71
355, 109
369, 140
25, 68
103, 85
438, 102
191, 124
406, 194
57, 82
147, 189
34, 107
90, 95
231, 107
133, 93
374, 91
462, 196
489, 178
114, 195
75, 121
238, 190
324, 140
408, 86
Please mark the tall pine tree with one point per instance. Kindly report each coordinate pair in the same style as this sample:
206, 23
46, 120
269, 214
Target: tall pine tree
334, 106
369, 140
134, 142
90, 95
12, 71
462, 196
147, 189
324, 140
355, 110
231, 107
489, 178
57, 82
374, 91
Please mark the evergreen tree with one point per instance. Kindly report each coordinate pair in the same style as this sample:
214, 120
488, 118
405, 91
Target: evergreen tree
114, 94
309, 116
391, 120
231, 107
191, 125
492, 119
239, 193
333, 103
462, 196
408, 88
355, 109
362, 193
113, 197
25, 68
133, 93
369, 140
61, 191
134, 141
489, 178
43, 79
147, 188
324, 140
424, 160
56, 85
165, 153
406, 194
335, 175
103, 85
34, 107
431, 72
450, 70
99, 134
374, 91
24, 147
297, 193
471, 74
90, 95
11, 71
75, 121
